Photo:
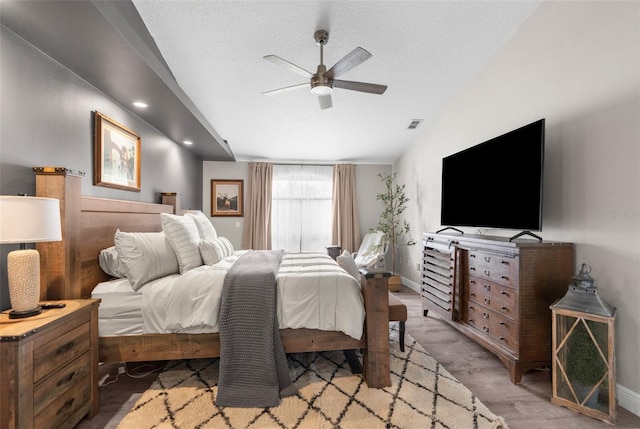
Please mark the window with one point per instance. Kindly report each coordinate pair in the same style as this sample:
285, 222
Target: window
301, 207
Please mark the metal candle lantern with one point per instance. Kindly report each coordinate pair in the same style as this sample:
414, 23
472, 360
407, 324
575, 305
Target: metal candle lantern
584, 373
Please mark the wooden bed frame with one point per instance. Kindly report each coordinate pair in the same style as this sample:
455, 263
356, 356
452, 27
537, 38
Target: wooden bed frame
70, 270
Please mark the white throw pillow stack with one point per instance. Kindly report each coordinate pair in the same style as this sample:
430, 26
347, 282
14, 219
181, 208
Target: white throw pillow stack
185, 243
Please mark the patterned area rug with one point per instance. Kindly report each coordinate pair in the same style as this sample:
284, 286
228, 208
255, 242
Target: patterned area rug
423, 395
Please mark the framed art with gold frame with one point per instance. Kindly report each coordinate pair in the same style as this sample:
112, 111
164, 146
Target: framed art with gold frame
117, 155
227, 197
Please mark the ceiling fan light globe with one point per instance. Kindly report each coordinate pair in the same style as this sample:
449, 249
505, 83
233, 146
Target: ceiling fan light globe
322, 89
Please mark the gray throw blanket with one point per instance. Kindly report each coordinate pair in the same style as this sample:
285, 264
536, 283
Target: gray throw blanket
253, 365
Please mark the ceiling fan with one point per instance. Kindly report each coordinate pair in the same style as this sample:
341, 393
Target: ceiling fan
323, 81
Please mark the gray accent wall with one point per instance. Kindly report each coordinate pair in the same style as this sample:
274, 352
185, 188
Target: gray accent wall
47, 120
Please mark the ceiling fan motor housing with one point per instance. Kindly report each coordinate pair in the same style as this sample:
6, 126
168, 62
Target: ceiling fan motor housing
320, 84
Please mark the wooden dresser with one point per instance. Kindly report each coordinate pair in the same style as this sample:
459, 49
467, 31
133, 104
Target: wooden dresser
49, 370
498, 292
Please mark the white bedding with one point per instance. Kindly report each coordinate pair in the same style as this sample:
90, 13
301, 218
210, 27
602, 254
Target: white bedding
314, 292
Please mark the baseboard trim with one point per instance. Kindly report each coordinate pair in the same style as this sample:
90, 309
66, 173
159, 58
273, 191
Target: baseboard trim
627, 399
410, 284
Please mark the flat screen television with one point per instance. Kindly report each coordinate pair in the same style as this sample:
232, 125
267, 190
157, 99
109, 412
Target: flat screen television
496, 184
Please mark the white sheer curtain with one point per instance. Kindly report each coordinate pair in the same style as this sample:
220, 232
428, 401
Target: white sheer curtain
301, 207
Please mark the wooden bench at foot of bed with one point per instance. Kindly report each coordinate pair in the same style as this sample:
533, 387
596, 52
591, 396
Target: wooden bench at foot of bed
69, 270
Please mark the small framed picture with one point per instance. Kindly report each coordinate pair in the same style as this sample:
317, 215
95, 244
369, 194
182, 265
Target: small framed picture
117, 155
227, 198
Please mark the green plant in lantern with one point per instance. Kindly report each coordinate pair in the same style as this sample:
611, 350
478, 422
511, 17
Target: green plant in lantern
584, 363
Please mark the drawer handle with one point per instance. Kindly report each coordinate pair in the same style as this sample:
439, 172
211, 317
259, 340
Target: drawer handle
502, 323
504, 293
471, 321
503, 307
487, 273
471, 307
485, 315
472, 268
485, 329
487, 258
487, 287
66, 406
487, 301
501, 338
472, 294
65, 348
505, 262
471, 255
472, 282
504, 277
66, 380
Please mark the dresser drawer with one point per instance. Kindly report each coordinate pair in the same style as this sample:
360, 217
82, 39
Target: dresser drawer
51, 356
499, 268
68, 377
500, 298
501, 329
73, 402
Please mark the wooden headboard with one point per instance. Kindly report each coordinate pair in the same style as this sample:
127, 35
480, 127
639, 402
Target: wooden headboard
69, 268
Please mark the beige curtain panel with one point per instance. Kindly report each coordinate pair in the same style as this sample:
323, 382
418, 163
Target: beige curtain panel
257, 219
345, 226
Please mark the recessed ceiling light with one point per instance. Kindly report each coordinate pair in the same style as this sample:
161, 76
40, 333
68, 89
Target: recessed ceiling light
188, 142
140, 104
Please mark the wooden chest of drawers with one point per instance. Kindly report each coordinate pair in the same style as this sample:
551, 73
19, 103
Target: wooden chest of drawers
48, 376
498, 292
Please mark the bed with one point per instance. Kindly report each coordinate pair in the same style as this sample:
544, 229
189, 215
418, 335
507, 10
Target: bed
70, 270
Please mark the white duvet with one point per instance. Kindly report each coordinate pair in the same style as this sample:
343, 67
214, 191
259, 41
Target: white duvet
313, 292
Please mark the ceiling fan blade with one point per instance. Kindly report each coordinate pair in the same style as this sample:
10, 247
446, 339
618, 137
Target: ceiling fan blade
349, 61
325, 101
372, 88
290, 66
286, 89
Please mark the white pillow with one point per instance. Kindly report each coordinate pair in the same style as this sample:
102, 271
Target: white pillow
145, 256
182, 233
210, 251
346, 261
204, 225
110, 264
227, 245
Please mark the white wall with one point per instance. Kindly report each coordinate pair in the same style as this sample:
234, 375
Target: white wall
367, 181
577, 64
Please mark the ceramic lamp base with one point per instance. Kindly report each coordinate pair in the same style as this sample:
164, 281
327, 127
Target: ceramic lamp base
23, 273
13, 314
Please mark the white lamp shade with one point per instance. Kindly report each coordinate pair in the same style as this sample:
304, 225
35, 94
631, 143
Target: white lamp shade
29, 219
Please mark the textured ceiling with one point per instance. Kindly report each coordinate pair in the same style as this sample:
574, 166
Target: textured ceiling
425, 52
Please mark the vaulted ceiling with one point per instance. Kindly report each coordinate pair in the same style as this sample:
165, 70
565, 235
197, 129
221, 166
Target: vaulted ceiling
206, 67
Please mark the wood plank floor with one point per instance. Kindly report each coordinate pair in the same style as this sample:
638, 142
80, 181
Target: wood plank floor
524, 406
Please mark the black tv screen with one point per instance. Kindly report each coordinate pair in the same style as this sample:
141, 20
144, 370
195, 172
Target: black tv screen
498, 183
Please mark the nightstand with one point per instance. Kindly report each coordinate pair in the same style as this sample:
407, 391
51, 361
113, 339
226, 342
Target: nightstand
49, 371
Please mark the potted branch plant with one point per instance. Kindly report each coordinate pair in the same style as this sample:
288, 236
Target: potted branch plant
393, 230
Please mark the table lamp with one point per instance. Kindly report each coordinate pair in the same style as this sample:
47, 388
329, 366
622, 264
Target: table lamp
27, 220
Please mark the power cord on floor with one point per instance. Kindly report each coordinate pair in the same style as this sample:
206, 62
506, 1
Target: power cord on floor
134, 373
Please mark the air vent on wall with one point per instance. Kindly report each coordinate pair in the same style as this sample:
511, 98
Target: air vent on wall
414, 124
